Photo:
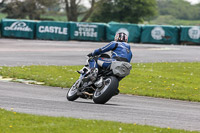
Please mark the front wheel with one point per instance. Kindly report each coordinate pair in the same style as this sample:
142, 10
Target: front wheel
72, 92
102, 95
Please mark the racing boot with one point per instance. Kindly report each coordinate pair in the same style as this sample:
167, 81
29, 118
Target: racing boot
83, 70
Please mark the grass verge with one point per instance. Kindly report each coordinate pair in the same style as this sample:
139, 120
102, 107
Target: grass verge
165, 80
2, 15
24, 123
170, 20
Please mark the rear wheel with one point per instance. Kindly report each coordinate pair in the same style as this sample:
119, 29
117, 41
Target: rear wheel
72, 92
102, 95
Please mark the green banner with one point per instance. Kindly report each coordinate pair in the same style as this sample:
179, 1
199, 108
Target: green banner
87, 31
18, 28
132, 30
160, 34
48, 30
190, 34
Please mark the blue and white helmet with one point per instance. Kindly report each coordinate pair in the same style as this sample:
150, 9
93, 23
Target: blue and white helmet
121, 37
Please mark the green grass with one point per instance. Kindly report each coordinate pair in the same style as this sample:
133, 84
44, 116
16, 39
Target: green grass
165, 80
160, 20
50, 16
56, 76
12, 122
55, 17
58, 17
170, 20
2, 15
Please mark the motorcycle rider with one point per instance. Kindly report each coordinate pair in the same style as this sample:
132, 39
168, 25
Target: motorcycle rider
121, 51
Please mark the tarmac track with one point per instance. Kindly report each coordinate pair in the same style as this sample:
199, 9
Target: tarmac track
51, 101
15, 52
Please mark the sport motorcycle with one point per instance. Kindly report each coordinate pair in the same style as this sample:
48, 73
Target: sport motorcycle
105, 84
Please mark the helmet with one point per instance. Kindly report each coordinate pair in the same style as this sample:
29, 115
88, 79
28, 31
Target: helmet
121, 37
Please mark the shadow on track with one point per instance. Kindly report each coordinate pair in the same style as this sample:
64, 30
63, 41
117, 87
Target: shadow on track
107, 104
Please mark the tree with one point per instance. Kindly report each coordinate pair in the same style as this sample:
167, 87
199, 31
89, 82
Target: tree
14, 10
2, 4
179, 9
27, 8
72, 9
133, 11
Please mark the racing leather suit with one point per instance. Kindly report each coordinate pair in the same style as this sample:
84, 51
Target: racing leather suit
121, 51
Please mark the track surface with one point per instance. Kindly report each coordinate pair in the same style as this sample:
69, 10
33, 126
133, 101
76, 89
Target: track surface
28, 52
130, 109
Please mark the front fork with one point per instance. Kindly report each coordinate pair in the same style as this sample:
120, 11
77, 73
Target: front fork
80, 79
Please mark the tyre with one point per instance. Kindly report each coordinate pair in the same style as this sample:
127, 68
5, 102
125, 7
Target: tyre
102, 95
72, 92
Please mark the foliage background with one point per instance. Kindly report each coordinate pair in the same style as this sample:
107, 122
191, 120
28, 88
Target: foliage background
165, 12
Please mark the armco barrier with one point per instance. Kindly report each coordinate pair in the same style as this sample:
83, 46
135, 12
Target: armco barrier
160, 34
18, 28
132, 30
87, 31
190, 34
49, 30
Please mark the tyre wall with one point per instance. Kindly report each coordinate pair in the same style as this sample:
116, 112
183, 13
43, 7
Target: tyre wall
87, 31
48, 30
18, 28
63, 31
132, 30
190, 34
160, 34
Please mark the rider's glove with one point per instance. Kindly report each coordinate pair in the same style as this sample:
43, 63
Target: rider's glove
90, 55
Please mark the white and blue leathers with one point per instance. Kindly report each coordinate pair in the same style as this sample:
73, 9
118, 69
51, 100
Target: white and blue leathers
121, 51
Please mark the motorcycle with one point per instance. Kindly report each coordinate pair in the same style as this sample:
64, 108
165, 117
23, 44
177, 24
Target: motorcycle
105, 85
